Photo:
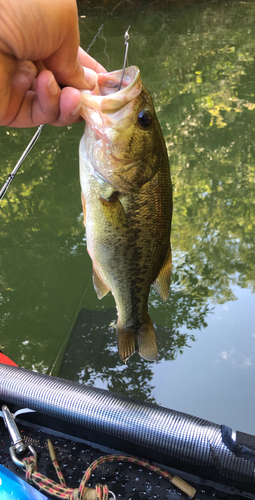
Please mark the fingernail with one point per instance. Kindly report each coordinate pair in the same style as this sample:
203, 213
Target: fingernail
53, 86
90, 77
76, 110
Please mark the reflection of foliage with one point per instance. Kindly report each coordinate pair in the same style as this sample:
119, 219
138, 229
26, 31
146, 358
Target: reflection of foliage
208, 120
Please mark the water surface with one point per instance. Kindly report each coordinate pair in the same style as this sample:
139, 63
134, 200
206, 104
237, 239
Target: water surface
198, 63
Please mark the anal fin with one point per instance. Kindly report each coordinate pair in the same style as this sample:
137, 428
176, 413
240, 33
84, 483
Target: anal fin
162, 282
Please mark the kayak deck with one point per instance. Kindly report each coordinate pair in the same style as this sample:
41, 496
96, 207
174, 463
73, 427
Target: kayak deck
127, 480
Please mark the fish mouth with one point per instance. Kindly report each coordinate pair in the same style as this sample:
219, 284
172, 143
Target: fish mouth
106, 99
109, 82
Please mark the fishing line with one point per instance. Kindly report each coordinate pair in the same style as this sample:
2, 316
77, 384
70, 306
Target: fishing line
100, 33
11, 176
126, 38
105, 47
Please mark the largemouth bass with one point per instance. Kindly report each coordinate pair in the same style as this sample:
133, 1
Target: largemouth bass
127, 204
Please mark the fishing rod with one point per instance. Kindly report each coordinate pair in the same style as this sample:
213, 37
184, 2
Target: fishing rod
11, 176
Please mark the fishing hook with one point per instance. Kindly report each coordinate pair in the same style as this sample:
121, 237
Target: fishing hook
126, 38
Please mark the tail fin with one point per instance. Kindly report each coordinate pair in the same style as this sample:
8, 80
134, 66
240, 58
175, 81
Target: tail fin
142, 340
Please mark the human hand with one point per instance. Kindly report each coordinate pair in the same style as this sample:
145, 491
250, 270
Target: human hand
39, 50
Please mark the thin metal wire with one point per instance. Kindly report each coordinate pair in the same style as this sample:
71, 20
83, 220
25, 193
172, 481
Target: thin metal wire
126, 38
19, 163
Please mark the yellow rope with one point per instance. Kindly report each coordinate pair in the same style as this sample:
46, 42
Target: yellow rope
100, 492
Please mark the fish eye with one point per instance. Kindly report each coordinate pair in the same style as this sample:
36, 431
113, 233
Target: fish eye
145, 118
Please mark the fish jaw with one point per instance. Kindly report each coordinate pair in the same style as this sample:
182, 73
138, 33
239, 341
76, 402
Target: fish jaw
105, 99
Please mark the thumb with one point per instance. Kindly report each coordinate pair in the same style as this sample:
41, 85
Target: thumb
5, 87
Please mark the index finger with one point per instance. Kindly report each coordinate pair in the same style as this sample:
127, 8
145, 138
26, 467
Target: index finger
88, 61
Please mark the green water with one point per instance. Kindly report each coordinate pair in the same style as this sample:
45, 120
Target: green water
198, 63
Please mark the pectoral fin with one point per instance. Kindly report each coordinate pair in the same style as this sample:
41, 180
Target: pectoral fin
114, 211
100, 288
162, 282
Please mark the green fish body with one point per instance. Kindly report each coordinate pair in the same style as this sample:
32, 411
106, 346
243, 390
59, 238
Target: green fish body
127, 204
